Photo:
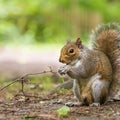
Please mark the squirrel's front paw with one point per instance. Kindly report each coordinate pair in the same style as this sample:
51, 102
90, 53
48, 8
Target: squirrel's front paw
63, 70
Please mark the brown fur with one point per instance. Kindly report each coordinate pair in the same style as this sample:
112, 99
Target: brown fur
108, 41
105, 53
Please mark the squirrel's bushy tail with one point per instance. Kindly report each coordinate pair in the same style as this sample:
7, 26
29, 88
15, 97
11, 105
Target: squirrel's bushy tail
106, 38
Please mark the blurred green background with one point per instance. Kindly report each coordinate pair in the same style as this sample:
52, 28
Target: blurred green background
33, 22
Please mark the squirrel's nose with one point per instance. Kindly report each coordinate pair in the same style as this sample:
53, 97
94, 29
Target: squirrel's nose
61, 60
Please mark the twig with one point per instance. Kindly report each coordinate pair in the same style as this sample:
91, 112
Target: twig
23, 78
66, 85
43, 97
22, 83
8, 85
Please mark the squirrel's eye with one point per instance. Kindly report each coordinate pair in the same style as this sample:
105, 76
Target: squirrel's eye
71, 51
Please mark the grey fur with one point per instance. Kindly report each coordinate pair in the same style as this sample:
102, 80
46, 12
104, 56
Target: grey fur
104, 27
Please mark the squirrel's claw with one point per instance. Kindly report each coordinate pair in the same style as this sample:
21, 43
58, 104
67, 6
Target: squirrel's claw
71, 104
63, 70
94, 104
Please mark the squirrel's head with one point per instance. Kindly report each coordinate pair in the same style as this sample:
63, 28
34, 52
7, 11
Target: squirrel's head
71, 52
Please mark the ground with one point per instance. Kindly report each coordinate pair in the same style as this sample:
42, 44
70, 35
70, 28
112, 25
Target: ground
30, 107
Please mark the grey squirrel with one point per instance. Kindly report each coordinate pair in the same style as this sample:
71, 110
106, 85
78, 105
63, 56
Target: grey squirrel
95, 71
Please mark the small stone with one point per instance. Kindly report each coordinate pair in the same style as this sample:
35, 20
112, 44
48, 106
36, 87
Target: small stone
118, 113
60, 101
69, 104
32, 86
42, 102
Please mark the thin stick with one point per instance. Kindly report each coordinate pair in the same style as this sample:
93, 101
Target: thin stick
23, 78
22, 83
8, 85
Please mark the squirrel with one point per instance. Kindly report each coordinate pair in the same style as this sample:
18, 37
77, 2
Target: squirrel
95, 70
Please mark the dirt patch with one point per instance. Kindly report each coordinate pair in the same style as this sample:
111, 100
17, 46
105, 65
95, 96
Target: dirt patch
44, 108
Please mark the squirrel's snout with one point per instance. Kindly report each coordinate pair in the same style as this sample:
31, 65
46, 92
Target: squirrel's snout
61, 60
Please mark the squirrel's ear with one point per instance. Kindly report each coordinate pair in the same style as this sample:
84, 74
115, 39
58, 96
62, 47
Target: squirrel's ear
78, 42
68, 41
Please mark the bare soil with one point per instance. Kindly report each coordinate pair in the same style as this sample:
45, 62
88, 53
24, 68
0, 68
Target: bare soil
44, 108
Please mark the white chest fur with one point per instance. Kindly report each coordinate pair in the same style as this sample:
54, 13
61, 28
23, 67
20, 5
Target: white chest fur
78, 64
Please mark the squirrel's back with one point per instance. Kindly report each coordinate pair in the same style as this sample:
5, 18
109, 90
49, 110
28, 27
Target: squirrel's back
106, 38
